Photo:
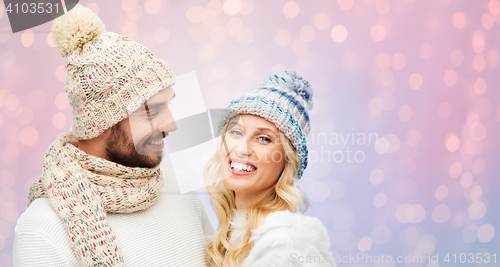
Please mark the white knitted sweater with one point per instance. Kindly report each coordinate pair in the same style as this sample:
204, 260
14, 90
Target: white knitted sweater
173, 232
285, 239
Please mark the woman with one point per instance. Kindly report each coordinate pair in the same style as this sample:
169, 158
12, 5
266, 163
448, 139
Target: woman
262, 154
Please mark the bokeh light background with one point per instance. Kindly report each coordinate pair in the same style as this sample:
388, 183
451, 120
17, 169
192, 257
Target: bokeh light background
418, 79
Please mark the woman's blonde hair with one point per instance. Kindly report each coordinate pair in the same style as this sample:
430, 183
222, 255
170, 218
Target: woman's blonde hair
284, 195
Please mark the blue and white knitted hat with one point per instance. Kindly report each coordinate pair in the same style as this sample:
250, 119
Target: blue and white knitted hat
284, 100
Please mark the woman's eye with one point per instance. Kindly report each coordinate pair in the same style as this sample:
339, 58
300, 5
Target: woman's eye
265, 139
236, 132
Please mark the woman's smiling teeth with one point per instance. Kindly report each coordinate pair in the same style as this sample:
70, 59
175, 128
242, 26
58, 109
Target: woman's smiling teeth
156, 143
242, 167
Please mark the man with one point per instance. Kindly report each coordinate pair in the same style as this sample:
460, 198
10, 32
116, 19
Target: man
102, 199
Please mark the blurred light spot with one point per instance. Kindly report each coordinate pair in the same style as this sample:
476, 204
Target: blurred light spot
283, 38
376, 105
234, 26
221, 70
28, 136
247, 7
369, 2
61, 73
477, 210
59, 120
425, 51
214, 8
379, 200
455, 169
383, 60
466, 179
9, 212
483, 106
345, 4
25, 116
128, 5
444, 110
161, 35
450, 77
470, 146
7, 181
476, 193
232, 7
152, 6
291, 10
6, 32
50, 41
2, 9
469, 234
199, 32
36, 98
452, 142
477, 132
479, 166
398, 61
494, 7
493, 58
405, 113
478, 42
410, 235
245, 37
376, 176
426, 244
377, 33
364, 244
318, 192
406, 187
405, 166
10, 154
487, 20
472, 118
381, 234
382, 7
278, 68
381, 146
218, 34
322, 21
388, 99
245, 69
479, 63
401, 213
415, 81
394, 143
479, 86
197, 14
61, 101
441, 213
485, 233
413, 137
135, 13
386, 78
7, 59
441, 192
339, 34
94, 7
130, 29
457, 57
307, 34
419, 211
12, 103
27, 38
459, 20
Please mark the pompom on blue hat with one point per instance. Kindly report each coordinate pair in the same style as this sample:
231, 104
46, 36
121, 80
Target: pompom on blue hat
284, 100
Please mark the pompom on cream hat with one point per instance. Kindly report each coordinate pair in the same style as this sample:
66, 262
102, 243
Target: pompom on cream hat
108, 76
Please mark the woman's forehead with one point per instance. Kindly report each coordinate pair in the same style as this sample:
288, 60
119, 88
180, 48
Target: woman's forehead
252, 122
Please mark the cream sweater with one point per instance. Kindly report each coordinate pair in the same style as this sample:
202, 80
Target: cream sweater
285, 239
173, 232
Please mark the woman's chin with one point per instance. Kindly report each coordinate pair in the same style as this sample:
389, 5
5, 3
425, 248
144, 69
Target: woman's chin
237, 183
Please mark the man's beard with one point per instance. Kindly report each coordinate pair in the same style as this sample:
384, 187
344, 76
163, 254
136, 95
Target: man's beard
121, 149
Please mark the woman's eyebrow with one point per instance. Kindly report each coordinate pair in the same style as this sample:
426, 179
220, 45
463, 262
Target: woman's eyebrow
264, 129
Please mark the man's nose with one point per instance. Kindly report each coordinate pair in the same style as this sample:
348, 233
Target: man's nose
168, 124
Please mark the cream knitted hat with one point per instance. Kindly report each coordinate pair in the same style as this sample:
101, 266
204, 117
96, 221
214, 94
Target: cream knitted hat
108, 76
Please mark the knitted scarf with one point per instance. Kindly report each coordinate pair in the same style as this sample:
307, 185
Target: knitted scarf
82, 188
